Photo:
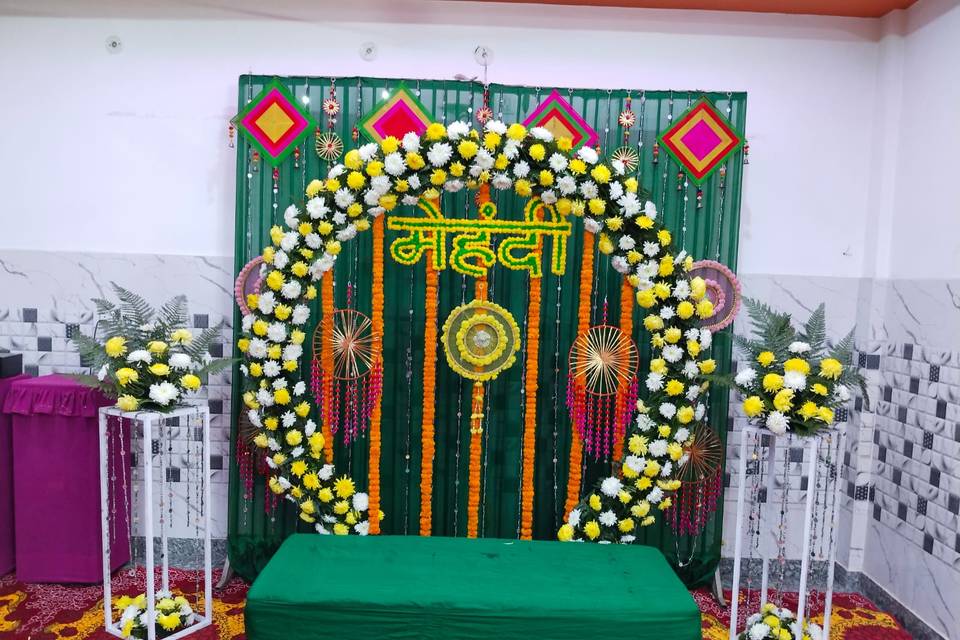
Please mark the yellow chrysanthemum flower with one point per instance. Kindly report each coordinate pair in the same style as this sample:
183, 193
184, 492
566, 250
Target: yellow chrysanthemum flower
344, 487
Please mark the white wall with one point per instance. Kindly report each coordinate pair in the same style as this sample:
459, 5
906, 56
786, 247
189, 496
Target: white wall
128, 152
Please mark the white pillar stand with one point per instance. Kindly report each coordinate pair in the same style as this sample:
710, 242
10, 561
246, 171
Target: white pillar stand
813, 446
148, 420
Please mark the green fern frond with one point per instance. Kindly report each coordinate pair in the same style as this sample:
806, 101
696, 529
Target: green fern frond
135, 310
815, 331
173, 313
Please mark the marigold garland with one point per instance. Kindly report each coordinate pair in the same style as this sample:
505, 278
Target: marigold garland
327, 304
476, 437
429, 387
626, 325
530, 413
376, 320
583, 323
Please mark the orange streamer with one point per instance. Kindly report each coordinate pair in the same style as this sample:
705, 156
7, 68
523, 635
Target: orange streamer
476, 438
326, 361
626, 325
429, 387
376, 322
583, 323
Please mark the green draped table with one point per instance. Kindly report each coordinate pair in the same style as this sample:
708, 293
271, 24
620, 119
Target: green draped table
413, 587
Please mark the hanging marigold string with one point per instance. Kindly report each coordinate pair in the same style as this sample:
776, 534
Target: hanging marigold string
583, 323
530, 412
327, 304
624, 408
476, 437
429, 387
376, 298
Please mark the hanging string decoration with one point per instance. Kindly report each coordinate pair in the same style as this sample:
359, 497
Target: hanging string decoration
356, 379
701, 483
602, 386
377, 299
723, 290
427, 443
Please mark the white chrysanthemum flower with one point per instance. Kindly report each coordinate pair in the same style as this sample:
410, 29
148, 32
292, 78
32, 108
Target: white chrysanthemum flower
681, 289
759, 631
558, 162
361, 501
799, 347
347, 233
777, 423
411, 142
690, 369
651, 249
292, 352
745, 377
362, 528
666, 470
326, 472
102, 374
458, 129
376, 212
289, 241
439, 154
283, 482
257, 348
589, 189
337, 170
645, 422
618, 167
608, 518
322, 265
380, 184
272, 443
247, 323
300, 314
611, 486
680, 257
636, 463
620, 264
693, 392
368, 151
453, 186
815, 631
706, 338
180, 361
511, 149
691, 334
655, 495
574, 518
414, 181
277, 332
313, 240
496, 126
616, 190
548, 197
393, 163
281, 259
648, 270
521, 169
163, 393
410, 200
371, 197
291, 289
626, 243
591, 225
629, 204
343, 197
699, 411
501, 181
658, 448
842, 392
668, 410
288, 418
254, 417
541, 133
672, 353
794, 380
627, 539
567, 185
291, 215
310, 427
682, 434
650, 210
140, 355
654, 381
317, 209
588, 154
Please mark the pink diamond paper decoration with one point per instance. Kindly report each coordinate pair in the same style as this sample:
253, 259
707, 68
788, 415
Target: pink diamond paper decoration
557, 116
398, 115
700, 140
274, 122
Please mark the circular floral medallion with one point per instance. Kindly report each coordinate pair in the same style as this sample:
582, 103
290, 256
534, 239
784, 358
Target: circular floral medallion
480, 339
627, 119
483, 114
331, 107
329, 146
628, 156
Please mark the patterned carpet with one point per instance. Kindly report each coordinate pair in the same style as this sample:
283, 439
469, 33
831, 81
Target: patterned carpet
51, 612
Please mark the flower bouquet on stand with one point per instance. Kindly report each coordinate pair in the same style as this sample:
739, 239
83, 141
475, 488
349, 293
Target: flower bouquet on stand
173, 613
147, 359
796, 379
775, 623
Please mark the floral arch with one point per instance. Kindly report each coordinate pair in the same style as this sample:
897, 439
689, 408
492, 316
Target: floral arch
358, 194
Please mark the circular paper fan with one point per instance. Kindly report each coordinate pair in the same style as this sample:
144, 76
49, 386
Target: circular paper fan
329, 146
353, 342
604, 358
628, 156
248, 281
723, 290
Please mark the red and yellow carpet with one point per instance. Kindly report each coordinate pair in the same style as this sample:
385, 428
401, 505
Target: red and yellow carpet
51, 612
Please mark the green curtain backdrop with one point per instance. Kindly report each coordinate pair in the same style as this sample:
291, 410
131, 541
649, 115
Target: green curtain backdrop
708, 232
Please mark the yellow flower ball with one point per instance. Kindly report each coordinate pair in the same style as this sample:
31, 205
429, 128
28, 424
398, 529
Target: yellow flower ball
389, 144
190, 382
538, 152
344, 487
364, 224
652, 469
783, 400
297, 336
565, 534
565, 143
324, 228
600, 173
819, 389
684, 416
332, 184
271, 423
797, 364
457, 169
685, 310
275, 280
630, 184
597, 206
298, 468
664, 237
666, 266
333, 247
765, 358
577, 166
491, 140
643, 222
516, 131
415, 161
831, 368
545, 178
126, 375
352, 159
646, 299
640, 509
653, 323
294, 437
594, 502
181, 336
467, 149
605, 245
772, 382
825, 414
356, 180
388, 202
159, 369
664, 430
592, 530
436, 131
808, 410
302, 409
658, 365
674, 387
693, 348
625, 525
704, 309
523, 188
707, 366
340, 529
564, 206
637, 445
156, 347
672, 335
281, 396
325, 494
127, 403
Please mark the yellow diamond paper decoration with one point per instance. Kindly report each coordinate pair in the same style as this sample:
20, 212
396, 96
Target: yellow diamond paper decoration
274, 122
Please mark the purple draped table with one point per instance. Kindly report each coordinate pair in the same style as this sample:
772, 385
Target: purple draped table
6, 480
56, 481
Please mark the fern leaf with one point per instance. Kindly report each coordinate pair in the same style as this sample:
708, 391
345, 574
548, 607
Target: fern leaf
136, 311
173, 313
815, 330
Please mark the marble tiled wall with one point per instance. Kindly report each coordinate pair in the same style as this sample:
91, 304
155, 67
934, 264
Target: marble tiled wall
899, 475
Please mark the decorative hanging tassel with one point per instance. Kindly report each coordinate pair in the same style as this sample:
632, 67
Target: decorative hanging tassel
656, 152
699, 198
723, 175
255, 162
231, 133
746, 152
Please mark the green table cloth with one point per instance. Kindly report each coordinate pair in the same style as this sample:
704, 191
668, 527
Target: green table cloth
412, 587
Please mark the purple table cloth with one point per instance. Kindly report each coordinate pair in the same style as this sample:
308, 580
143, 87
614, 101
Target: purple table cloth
56, 478
6, 480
